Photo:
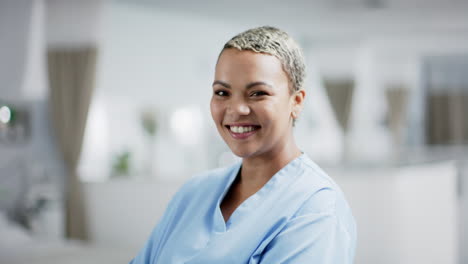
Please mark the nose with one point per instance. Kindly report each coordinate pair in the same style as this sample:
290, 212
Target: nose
238, 107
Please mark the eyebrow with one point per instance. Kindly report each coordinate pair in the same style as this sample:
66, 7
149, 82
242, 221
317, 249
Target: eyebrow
248, 86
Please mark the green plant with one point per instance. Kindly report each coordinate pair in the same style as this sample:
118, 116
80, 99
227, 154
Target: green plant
121, 164
148, 122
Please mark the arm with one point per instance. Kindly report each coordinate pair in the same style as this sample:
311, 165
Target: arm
314, 235
313, 238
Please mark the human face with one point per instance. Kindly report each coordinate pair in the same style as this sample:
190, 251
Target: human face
252, 103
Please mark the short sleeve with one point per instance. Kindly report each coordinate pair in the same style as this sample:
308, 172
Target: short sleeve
313, 238
314, 235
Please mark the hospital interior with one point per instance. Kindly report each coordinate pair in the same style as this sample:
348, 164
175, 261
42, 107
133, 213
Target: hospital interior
104, 114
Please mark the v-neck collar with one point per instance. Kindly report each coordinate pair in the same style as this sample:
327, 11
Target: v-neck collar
285, 173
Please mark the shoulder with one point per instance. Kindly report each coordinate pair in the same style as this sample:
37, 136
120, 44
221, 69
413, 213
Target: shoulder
325, 197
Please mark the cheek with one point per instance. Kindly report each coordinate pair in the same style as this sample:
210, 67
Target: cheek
278, 115
215, 109
276, 111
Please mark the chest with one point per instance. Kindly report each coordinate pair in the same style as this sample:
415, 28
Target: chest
234, 198
201, 232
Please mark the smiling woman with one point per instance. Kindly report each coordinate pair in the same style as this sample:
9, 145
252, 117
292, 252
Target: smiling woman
252, 105
276, 205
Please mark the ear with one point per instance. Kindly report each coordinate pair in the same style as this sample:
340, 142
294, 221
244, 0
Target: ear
297, 103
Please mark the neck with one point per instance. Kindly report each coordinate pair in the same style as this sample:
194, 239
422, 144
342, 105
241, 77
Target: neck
256, 171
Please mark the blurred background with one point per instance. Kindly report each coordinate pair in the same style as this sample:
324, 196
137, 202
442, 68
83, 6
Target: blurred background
104, 113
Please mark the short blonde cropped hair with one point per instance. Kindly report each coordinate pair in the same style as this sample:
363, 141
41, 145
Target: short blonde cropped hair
273, 41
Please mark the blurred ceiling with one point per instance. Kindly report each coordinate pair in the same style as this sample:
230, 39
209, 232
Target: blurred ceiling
327, 17
223, 5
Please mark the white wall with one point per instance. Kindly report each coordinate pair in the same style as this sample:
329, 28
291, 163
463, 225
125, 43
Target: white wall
73, 23
463, 205
15, 42
405, 214
124, 212
22, 74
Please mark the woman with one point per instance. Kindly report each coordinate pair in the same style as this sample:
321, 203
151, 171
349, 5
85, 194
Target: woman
277, 205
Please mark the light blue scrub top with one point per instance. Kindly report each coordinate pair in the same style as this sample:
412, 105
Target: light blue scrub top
299, 216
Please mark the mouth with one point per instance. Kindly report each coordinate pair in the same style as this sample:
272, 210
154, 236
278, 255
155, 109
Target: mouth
242, 131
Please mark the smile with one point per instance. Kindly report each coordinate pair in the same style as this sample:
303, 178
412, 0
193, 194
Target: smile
242, 131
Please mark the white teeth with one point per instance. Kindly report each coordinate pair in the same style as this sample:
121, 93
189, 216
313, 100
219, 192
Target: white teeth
241, 129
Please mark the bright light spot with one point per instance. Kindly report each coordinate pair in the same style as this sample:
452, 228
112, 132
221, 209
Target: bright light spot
5, 114
95, 155
187, 125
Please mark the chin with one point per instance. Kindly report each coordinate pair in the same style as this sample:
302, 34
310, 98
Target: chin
243, 153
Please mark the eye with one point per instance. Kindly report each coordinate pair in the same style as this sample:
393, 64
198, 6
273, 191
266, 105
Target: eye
221, 93
258, 93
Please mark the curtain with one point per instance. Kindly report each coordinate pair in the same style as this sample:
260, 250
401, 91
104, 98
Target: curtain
397, 97
447, 99
340, 94
447, 122
71, 78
